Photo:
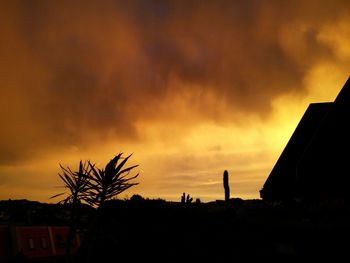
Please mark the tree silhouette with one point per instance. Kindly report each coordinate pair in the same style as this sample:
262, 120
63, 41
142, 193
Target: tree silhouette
94, 186
104, 184
77, 183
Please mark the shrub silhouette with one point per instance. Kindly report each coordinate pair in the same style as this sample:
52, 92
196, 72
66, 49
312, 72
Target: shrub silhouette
137, 198
186, 200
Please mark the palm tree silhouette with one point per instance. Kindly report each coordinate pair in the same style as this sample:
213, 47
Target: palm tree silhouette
77, 183
105, 184
94, 186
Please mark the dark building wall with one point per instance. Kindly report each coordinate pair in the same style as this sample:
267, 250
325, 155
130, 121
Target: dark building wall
315, 163
323, 171
59, 235
281, 182
35, 243
5, 244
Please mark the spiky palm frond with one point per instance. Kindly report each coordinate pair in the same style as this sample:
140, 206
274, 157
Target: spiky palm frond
104, 184
77, 183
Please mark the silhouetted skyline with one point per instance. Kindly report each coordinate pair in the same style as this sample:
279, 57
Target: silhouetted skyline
192, 89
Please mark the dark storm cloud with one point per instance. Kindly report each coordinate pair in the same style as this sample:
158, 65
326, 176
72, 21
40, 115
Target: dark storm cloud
77, 71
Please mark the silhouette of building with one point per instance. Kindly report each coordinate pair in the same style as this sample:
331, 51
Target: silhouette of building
34, 243
314, 166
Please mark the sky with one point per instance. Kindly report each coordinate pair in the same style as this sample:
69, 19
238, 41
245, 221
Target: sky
191, 88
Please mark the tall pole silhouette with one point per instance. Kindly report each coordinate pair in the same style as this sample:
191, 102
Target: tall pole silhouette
226, 187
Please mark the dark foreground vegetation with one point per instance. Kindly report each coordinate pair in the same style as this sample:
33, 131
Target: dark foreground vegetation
139, 230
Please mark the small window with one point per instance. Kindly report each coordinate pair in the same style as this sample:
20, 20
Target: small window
31, 243
43, 243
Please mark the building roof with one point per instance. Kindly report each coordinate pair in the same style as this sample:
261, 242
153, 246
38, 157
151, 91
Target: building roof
323, 170
314, 162
282, 178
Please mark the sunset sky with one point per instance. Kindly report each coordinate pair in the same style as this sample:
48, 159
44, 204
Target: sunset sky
190, 87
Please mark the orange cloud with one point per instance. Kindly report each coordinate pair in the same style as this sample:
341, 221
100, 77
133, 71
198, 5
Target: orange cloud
190, 88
